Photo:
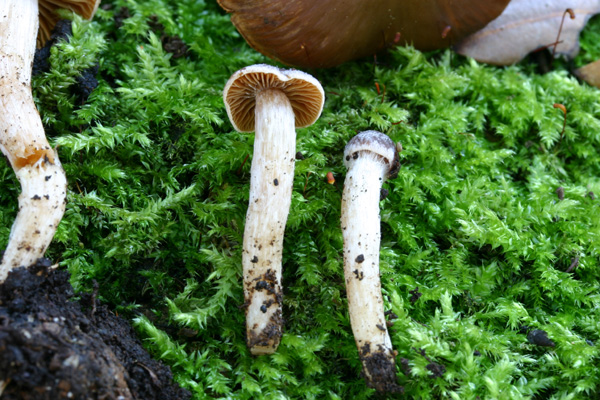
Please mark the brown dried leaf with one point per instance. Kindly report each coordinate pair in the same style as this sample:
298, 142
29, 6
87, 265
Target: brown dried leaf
528, 25
590, 73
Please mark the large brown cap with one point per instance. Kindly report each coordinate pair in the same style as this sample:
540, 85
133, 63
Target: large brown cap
325, 33
304, 92
49, 17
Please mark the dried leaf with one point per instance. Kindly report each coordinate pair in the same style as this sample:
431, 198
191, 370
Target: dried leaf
590, 73
528, 25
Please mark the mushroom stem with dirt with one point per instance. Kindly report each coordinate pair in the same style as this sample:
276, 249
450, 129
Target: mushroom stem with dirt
22, 137
371, 158
272, 103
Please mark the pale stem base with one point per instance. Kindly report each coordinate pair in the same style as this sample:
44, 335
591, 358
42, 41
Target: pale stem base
41, 207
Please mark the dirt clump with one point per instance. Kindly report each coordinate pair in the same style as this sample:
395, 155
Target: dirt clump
52, 347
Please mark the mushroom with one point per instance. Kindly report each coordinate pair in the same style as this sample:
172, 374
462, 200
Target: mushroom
22, 138
272, 103
325, 33
371, 158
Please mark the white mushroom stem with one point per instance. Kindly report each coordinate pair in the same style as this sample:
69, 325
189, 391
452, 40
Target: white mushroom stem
361, 232
271, 180
23, 141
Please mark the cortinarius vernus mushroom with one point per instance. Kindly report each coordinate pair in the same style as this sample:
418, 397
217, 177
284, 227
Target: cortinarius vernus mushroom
325, 33
371, 158
272, 103
22, 137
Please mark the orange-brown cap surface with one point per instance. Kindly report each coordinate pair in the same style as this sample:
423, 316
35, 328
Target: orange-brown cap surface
49, 17
304, 92
325, 33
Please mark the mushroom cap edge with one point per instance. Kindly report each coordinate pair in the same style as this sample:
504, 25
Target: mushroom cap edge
374, 142
242, 86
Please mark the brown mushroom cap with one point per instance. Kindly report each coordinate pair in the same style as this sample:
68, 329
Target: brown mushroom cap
49, 17
304, 92
325, 33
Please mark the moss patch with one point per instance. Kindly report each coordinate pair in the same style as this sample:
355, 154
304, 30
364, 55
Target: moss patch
492, 206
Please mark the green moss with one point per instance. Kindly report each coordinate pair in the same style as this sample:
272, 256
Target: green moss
590, 42
158, 191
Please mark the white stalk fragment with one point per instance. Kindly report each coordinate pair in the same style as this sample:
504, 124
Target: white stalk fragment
371, 158
23, 141
272, 103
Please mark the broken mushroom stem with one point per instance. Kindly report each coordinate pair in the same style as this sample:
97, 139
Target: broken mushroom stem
371, 158
271, 102
23, 141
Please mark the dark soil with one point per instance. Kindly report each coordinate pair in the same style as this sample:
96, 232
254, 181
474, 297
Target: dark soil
171, 44
86, 82
52, 347
271, 334
41, 62
540, 338
379, 369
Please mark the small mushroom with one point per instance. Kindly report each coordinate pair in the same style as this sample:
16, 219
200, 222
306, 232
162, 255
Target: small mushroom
22, 138
325, 33
371, 158
272, 103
